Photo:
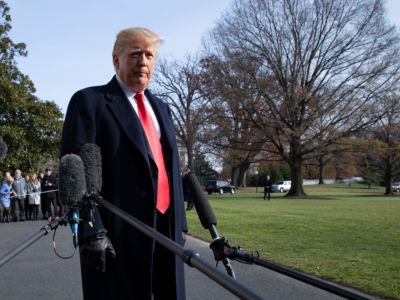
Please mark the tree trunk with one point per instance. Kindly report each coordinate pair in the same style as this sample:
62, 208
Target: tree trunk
321, 170
296, 162
235, 176
243, 167
189, 149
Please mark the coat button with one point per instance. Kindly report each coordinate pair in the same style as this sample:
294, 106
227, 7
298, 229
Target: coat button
142, 194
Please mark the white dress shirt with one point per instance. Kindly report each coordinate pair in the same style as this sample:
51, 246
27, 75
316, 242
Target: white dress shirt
130, 95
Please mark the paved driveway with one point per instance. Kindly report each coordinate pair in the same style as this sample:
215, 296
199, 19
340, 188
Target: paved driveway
37, 273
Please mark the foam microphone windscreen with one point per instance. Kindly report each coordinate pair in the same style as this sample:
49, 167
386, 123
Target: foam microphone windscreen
91, 157
71, 180
203, 208
3, 149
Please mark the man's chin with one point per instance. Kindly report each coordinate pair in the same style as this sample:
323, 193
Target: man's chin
139, 85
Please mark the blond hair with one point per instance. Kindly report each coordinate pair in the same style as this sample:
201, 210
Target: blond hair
9, 179
133, 33
34, 175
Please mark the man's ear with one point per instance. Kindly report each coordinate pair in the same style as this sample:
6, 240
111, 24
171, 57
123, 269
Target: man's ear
115, 60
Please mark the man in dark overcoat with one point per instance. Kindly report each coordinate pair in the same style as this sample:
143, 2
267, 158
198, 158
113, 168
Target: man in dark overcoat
186, 190
108, 116
267, 188
49, 195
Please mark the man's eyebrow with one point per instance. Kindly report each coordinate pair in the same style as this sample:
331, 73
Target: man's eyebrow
136, 51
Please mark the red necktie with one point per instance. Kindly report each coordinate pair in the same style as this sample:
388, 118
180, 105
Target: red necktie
156, 149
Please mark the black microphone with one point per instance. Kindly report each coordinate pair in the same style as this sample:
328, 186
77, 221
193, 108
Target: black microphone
3, 149
101, 246
203, 208
209, 221
72, 187
91, 158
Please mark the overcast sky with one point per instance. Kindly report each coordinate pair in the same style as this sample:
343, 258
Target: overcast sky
70, 42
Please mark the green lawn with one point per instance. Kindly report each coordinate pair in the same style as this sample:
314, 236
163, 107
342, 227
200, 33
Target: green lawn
348, 234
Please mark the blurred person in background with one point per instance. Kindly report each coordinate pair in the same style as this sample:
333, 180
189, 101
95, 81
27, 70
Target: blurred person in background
5, 193
18, 200
26, 200
49, 187
34, 189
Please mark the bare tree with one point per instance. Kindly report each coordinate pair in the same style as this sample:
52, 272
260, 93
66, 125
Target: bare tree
320, 67
229, 133
382, 151
179, 83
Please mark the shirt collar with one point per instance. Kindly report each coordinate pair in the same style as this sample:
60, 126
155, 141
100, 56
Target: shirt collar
127, 91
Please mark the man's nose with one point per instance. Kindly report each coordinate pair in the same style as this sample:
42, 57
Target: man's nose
143, 59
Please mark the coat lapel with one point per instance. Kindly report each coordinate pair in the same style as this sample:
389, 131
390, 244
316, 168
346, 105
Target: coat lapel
130, 123
126, 117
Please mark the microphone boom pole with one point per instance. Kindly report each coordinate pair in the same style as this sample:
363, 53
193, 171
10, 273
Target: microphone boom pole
238, 254
41, 233
208, 220
222, 250
188, 256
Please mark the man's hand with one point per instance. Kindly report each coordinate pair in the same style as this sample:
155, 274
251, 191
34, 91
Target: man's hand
95, 250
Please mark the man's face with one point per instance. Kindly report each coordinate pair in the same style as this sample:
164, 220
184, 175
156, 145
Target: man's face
17, 173
135, 64
48, 172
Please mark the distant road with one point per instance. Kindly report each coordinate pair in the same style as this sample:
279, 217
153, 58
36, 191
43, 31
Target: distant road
37, 273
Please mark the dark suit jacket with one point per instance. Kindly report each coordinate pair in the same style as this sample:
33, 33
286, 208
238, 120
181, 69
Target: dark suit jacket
268, 184
103, 115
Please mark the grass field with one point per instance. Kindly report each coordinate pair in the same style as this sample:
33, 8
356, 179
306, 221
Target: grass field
347, 234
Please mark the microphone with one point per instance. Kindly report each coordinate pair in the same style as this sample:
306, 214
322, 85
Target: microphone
91, 158
72, 187
209, 221
3, 149
203, 208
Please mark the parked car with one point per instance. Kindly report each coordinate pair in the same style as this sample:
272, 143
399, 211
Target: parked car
396, 186
281, 186
217, 186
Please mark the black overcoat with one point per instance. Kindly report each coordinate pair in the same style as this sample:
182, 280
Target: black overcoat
104, 116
